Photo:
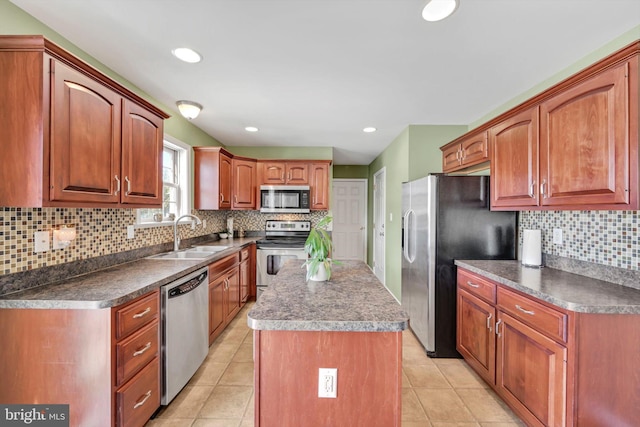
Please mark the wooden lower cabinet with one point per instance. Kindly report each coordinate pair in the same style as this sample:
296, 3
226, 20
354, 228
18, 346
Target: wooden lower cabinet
369, 384
531, 373
552, 366
230, 283
104, 363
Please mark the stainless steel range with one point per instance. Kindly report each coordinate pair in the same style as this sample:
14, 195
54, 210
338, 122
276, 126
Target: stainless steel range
283, 240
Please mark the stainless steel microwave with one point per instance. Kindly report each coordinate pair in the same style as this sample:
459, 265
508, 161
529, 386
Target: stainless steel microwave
284, 198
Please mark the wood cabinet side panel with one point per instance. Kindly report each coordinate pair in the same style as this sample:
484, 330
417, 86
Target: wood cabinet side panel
608, 370
58, 356
368, 387
21, 121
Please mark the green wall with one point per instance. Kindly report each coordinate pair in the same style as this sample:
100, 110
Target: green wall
394, 160
424, 147
311, 153
614, 45
14, 20
351, 171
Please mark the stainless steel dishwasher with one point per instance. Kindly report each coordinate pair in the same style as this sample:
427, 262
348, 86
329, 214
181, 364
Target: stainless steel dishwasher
185, 330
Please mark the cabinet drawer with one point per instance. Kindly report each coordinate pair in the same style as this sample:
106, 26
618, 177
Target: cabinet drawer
137, 314
477, 285
244, 254
219, 267
136, 351
545, 319
140, 397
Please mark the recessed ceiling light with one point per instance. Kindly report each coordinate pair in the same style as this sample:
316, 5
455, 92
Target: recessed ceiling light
369, 130
437, 10
251, 129
187, 55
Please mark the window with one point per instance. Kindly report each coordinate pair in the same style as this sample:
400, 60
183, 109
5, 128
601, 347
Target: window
175, 184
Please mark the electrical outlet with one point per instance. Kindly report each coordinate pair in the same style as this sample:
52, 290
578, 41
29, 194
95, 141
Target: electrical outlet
131, 232
328, 382
557, 236
204, 224
41, 240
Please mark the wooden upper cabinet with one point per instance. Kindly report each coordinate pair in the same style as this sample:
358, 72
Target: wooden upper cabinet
514, 161
281, 172
85, 138
584, 142
213, 177
272, 173
319, 186
141, 156
244, 184
71, 134
297, 173
467, 151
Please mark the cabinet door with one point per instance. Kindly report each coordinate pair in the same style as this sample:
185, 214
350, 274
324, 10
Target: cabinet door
584, 142
531, 373
514, 161
475, 149
319, 186
451, 158
244, 187
226, 173
297, 173
245, 280
475, 337
85, 138
217, 307
141, 156
273, 173
233, 292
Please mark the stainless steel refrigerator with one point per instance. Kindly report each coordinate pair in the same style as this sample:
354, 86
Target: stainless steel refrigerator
446, 218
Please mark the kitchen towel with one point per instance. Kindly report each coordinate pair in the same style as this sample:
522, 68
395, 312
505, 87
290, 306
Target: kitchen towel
532, 248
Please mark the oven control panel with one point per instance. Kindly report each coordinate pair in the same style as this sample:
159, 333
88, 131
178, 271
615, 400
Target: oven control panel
277, 225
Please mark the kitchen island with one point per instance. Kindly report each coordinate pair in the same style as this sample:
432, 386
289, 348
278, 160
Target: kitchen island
350, 323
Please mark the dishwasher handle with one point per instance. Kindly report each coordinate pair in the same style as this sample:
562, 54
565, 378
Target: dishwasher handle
188, 286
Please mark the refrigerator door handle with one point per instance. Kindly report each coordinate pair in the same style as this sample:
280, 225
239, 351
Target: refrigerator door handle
405, 235
409, 255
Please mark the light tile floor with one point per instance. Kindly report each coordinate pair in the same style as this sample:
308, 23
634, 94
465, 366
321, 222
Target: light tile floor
435, 392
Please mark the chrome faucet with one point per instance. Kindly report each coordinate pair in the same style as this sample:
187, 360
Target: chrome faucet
176, 235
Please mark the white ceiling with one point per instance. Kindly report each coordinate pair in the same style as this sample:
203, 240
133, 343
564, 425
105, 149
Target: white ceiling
315, 72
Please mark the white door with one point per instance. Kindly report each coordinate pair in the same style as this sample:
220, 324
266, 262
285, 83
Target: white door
349, 204
379, 214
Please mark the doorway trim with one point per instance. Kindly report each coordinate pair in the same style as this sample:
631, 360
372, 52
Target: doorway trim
379, 178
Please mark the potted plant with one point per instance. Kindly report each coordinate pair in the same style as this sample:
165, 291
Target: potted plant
319, 247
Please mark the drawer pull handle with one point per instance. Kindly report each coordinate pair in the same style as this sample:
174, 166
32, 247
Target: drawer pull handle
142, 350
473, 285
531, 187
142, 313
489, 321
139, 403
117, 185
497, 327
530, 312
221, 197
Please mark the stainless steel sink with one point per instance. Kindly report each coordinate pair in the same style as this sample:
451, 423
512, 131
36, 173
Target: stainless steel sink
184, 254
208, 248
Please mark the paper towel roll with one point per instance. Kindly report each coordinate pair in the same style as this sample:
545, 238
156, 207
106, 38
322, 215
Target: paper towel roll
532, 248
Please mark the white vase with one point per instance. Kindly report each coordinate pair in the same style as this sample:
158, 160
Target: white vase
321, 274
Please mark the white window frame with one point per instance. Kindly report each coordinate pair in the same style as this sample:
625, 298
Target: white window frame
184, 182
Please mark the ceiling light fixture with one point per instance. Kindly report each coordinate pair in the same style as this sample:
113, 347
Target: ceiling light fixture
437, 10
187, 55
251, 129
369, 129
189, 109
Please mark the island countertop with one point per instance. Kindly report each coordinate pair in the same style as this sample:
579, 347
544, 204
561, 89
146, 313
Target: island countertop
353, 300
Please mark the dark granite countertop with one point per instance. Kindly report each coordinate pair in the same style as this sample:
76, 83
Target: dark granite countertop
115, 285
353, 300
563, 289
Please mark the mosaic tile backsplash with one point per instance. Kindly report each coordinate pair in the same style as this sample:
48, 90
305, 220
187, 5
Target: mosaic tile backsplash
603, 237
103, 232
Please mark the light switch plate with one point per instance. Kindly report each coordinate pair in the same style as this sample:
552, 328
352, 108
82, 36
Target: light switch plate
42, 241
557, 236
131, 232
